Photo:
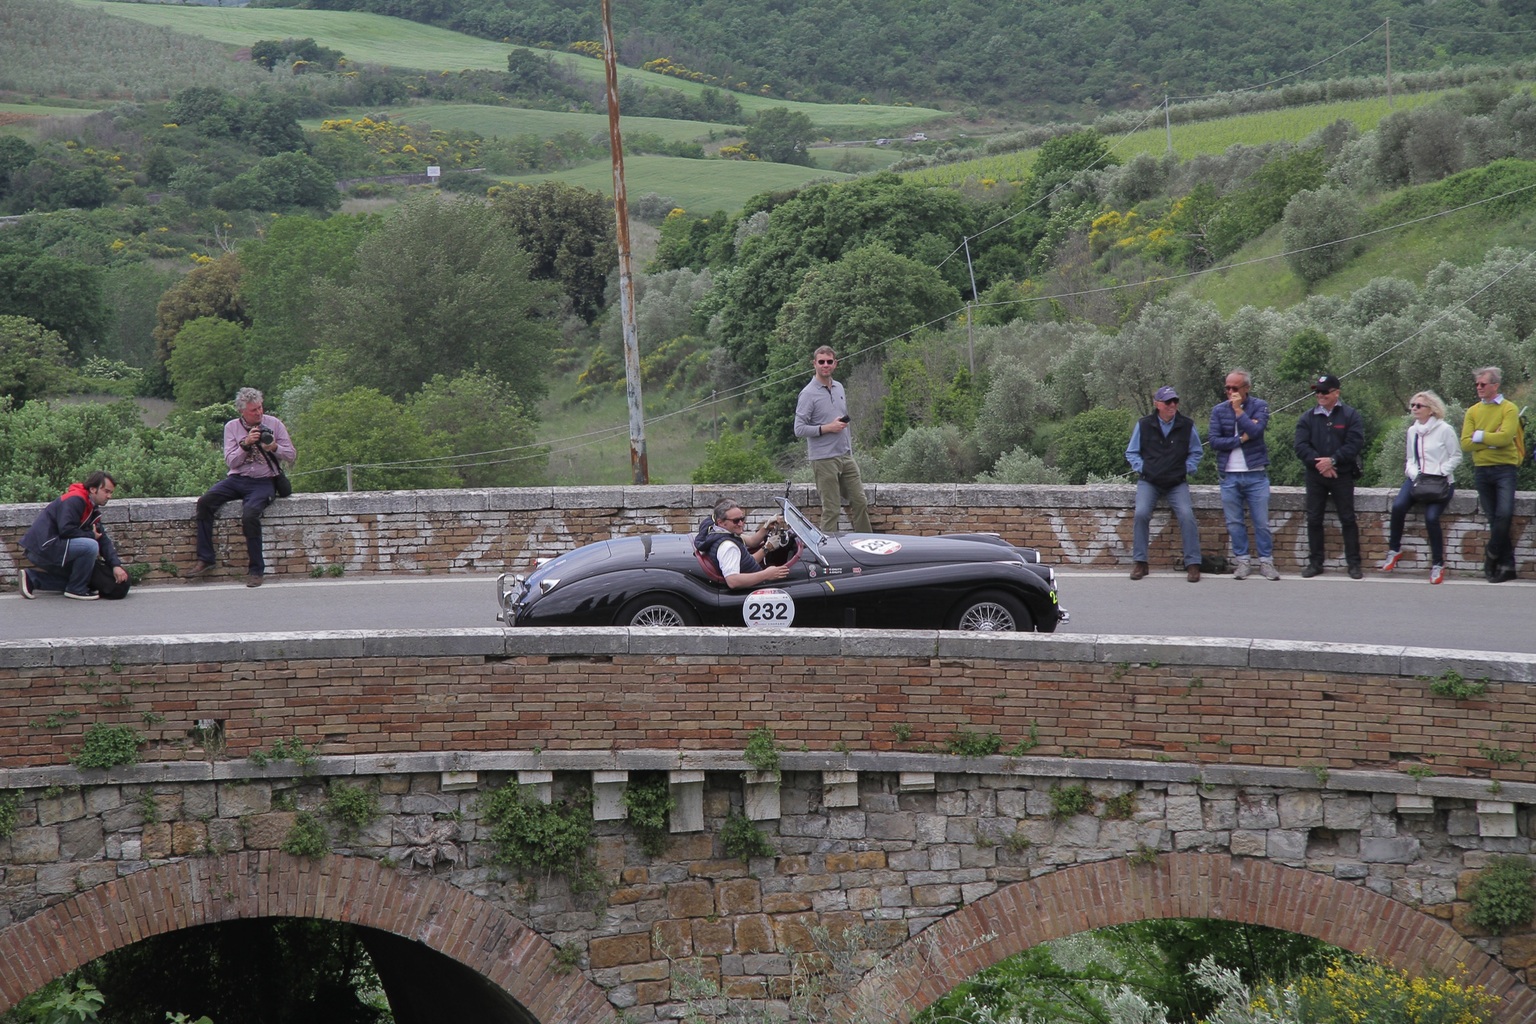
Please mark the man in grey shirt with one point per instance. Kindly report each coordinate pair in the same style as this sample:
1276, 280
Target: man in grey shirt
821, 417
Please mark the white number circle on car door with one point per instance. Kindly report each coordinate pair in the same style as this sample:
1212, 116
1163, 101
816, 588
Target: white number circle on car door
769, 607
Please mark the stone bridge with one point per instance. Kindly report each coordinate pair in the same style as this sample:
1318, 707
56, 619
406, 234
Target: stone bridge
952, 799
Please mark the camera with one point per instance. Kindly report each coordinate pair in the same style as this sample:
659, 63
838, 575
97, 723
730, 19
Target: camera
267, 437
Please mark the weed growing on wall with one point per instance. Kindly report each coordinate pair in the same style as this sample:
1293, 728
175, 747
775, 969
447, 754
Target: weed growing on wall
107, 746
529, 835
351, 809
1501, 897
743, 839
1451, 684
303, 757
762, 752
649, 800
974, 744
1067, 801
307, 837
10, 807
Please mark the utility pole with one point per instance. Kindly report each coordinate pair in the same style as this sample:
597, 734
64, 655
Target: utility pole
637, 459
1167, 124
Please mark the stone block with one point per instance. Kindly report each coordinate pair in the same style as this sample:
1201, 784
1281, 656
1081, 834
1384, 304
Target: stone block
690, 899
1247, 843
754, 934
1377, 850
613, 951
1184, 814
738, 896
236, 800
1287, 846
1300, 810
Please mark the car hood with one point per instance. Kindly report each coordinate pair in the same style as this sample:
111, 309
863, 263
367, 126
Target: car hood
884, 551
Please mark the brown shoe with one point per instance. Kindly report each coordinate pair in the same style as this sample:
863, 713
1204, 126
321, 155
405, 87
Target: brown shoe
1192, 573
199, 568
253, 580
1138, 570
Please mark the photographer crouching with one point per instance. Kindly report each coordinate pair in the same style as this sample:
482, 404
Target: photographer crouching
255, 447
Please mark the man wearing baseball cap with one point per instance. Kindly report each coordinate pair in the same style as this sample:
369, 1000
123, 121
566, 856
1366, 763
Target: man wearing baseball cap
1164, 450
1329, 439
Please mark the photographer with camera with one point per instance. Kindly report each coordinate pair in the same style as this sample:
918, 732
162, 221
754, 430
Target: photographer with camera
255, 446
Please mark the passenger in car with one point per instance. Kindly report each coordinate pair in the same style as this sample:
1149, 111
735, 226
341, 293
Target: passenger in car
724, 541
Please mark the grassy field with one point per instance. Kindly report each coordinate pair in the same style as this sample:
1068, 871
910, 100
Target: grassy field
509, 121
590, 443
701, 186
1289, 125
393, 42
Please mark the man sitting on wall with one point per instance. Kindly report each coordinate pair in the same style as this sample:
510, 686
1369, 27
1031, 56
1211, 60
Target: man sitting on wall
725, 542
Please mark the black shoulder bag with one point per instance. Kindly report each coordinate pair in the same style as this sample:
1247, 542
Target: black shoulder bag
1427, 488
280, 483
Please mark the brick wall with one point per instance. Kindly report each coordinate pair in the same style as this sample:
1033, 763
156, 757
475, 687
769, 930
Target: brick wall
490, 530
603, 689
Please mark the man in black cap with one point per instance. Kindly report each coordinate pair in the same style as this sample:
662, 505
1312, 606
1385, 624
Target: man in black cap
1164, 450
1329, 439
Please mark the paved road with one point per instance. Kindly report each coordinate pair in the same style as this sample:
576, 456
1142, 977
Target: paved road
1402, 610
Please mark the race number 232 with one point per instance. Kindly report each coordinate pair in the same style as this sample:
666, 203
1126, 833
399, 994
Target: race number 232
769, 607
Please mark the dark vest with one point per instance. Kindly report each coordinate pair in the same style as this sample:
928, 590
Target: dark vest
708, 539
1163, 458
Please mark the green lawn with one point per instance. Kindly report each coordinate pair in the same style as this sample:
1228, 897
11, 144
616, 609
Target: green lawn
701, 186
1289, 125
508, 121
590, 443
394, 42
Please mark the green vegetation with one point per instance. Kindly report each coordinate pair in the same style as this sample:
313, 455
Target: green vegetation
10, 808
306, 837
741, 838
295, 750
1501, 896
1067, 801
762, 751
649, 800
532, 836
974, 744
1450, 683
107, 746
351, 809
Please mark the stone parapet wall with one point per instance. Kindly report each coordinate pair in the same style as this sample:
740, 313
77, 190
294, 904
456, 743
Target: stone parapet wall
891, 848
612, 689
492, 530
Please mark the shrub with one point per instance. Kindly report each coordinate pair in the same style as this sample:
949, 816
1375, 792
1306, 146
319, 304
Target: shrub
649, 800
762, 752
528, 834
307, 837
742, 838
1067, 801
1501, 897
974, 744
351, 808
107, 746
730, 461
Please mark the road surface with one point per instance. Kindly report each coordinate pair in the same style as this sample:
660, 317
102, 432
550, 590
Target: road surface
1400, 610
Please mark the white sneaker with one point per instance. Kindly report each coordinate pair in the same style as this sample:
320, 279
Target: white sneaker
26, 586
1268, 571
1437, 574
1390, 562
1243, 569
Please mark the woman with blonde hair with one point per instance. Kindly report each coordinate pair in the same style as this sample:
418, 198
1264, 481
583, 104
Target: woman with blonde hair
1434, 450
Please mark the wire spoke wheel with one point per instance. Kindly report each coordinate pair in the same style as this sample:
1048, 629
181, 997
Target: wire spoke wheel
991, 611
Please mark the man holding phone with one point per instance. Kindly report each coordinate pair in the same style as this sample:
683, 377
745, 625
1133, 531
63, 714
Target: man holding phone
821, 417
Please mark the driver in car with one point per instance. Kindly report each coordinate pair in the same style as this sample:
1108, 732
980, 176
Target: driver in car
725, 541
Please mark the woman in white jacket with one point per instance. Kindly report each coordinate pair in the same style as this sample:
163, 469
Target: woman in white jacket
1433, 447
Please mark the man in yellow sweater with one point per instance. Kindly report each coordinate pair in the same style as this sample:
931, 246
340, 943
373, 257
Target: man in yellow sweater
1491, 432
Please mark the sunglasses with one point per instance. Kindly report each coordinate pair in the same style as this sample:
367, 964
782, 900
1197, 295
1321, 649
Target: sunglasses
1482, 384
1237, 387
735, 519
826, 362
1417, 405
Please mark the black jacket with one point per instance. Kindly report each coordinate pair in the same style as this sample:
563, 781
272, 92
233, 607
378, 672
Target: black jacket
72, 514
1339, 436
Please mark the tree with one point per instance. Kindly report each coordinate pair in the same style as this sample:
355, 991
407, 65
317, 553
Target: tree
212, 289
730, 460
33, 360
62, 295
280, 182
439, 288
481, 421
1092, 444
1318, 232
205, 364
277, 287
780, 135
382, 439
569, 233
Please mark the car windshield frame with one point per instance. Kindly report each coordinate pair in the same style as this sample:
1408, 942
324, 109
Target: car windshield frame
809, 535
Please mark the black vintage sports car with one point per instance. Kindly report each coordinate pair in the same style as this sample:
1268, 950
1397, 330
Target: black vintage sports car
876, 581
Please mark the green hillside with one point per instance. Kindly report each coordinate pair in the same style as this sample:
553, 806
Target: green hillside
699, 186
508, 121
376, 39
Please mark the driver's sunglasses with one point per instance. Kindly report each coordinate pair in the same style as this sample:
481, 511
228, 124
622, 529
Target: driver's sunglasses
735, 519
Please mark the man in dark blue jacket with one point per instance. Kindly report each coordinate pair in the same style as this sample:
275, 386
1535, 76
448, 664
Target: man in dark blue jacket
1329, 439
65, 540
1164, 450
1242, 457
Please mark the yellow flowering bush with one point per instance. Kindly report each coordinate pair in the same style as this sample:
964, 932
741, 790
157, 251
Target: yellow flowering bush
1365, 992
408, 147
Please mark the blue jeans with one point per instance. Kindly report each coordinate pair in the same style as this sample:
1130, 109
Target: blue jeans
1178, 500
72, 572
1250, 489
1400, 506
1496, 493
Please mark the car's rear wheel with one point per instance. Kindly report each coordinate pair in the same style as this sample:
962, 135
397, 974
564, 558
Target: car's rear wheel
657, 610
991, 611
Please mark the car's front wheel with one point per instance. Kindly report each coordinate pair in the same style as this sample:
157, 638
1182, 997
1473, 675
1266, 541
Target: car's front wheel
656, 610
991, 611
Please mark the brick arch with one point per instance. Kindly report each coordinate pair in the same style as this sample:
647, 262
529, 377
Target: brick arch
353, 890
1089, 896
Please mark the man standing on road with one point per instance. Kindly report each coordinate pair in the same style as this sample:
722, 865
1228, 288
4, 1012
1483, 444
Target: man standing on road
65, 540
1164, 450
1491, 432
253, 444
1242, 457
1329, 439
821, 417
